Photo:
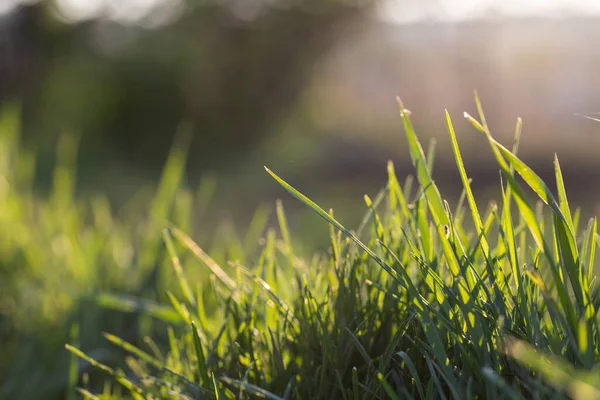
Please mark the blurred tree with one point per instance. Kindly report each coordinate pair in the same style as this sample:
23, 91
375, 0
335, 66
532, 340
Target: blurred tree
232, 68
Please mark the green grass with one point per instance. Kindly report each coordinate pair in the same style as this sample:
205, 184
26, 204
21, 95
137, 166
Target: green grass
422, 300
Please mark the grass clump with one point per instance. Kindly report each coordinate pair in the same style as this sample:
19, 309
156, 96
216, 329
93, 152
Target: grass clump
421, 301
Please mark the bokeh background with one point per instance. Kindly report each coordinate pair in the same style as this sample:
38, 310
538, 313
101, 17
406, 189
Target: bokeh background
306, 87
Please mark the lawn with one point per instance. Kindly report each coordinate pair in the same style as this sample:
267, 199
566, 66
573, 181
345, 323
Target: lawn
423, 299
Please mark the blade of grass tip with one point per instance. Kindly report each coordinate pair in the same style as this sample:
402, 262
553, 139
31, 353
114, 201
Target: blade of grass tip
538, 186
466, 183
86, 394
387, 387
285, 232
335, 247
396, 191
118, 376
591, 248
181, 278
319, 211
355, 384
480, 110
131, 304
73, 365
588, 117
367, 216
420, 163
576, 217
205, 258
181, 309
517, 137
252, 389
202, 370
562, 194
526, 211
132, 349
430, 190
376, 220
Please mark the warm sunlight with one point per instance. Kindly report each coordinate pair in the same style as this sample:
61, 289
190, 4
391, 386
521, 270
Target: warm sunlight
406, 11
399, 11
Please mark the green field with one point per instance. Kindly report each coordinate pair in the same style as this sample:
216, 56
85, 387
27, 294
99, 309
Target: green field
424, 299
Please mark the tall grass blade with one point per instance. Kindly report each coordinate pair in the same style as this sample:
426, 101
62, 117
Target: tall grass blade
205, 381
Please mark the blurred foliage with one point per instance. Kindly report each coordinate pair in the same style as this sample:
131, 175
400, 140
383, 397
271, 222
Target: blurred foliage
231, 69
59, 253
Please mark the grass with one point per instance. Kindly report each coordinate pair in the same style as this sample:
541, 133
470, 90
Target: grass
422, 300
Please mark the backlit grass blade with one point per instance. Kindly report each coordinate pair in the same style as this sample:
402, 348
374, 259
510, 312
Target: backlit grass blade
413, 371
181, 309
387, 387
397, 197
133, 350
432, 193
285, 310
570, 261
73, 363
540, 188
252, 389
368, 216
132, 304
526, 212
430, 329
86, 394
376, 220
590, 248
469, 193
181, 278
562, 194
509, 237
430, 190
117, 375
205, 381
205, 258
319, 211
285, 231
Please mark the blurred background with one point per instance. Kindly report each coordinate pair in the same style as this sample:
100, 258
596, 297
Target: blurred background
306, 87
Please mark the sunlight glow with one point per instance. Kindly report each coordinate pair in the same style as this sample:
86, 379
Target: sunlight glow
409, 11
395, 11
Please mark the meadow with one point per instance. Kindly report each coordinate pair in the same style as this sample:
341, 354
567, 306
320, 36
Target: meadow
423, 299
